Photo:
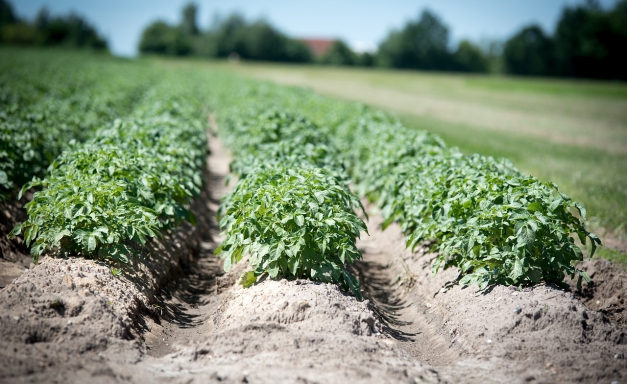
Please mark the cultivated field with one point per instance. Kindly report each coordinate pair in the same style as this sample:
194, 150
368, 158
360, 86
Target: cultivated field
184, 223
571, 132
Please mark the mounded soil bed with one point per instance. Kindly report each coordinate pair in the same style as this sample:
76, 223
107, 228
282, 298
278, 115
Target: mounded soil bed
176, 317
540, 334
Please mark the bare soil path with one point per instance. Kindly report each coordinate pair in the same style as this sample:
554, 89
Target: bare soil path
211, 329
540, 334
185, 305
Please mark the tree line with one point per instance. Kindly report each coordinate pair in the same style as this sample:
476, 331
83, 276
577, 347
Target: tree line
71, 30
231, 36
588, 41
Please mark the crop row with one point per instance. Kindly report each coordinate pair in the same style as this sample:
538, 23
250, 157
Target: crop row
128, 182
497, 225
291, 210
46, 104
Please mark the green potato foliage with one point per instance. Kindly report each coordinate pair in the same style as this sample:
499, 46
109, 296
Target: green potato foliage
272, 134
292, 152
294, 221
493, 223
497, 225
125, 185
252, 127
291, 210
46, 104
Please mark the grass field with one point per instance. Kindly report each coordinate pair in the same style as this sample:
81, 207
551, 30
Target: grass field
571, 132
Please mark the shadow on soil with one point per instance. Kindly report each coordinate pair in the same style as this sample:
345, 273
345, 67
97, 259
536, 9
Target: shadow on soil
377, 284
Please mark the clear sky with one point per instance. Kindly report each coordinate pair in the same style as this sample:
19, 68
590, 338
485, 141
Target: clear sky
361, 23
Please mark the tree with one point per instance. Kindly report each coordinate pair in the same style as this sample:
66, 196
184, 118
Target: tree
72, 31
42, 20
529, 52
155, 38
421, 44
69, 31
366, 59
616, 45
233, 35
339, 54
255, 41
493, 51
228, 33
7, 16
262, 42
161, 38
590, 42
13, 30
470, 58
577, 49
189, 25
297, 52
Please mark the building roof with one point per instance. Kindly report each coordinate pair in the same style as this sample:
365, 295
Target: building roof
318, 46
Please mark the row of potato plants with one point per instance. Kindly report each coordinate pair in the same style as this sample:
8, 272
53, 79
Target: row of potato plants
131, 180
291, 210
483, 216
494, 223
48, 99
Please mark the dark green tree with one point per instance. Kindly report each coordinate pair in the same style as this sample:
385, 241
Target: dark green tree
618, 41
470, 58
493, 51
365, 59
72, 31
156, 38
297, 52
42, 20
7, 16
339, 54
590, 42
529, 52
421, 44
255, 41
12, 29
189, 26
259, 41
233, 35
227, 34
163, 39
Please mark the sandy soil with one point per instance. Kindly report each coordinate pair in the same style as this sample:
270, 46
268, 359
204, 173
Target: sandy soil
607, 292
540, 334
63, 315
178, 318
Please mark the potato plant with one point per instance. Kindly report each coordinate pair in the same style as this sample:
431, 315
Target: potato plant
494, 224
497, 225
125, 185
294, 221
291, 211
121, 183
46, 105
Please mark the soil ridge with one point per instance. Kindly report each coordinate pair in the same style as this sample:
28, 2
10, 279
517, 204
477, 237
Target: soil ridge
504, 334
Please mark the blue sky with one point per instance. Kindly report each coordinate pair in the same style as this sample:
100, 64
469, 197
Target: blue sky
361, 23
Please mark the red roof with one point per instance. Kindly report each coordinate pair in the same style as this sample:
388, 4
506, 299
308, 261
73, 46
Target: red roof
318, 46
